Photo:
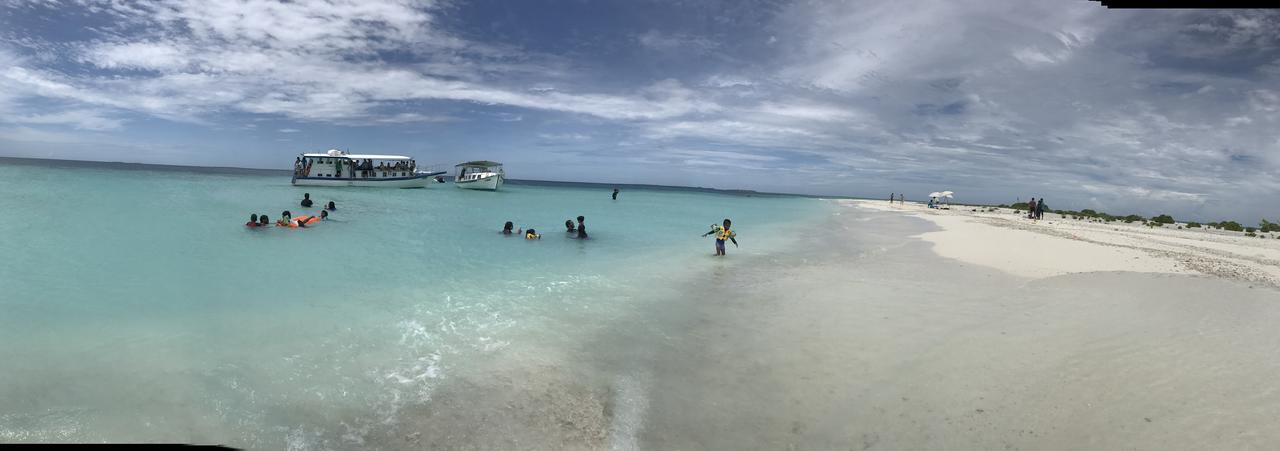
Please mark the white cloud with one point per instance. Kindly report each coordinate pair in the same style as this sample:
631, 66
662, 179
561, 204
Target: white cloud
288, 130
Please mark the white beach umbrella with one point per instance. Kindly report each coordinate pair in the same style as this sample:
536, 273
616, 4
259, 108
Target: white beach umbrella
946, 194
935, 194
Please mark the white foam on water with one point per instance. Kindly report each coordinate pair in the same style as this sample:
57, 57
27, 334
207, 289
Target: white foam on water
630, 405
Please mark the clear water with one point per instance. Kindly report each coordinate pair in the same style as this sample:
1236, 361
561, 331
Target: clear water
136, 307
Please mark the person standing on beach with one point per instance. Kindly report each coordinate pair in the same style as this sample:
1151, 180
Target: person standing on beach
1040, 209
1031, 208
722, 234
615, 194
891, 198
902, 198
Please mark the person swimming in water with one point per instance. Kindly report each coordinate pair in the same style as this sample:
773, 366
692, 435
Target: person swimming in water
532, 235
331, 206
285, 219
506, 228
253, 221
306, 200
615, 194
582, 228
568, 226
722, 234
263, 221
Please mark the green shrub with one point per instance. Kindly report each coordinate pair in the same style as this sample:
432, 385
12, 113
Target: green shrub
1134, 218
1250, 229
1250, 234
1163, 219
1268, 226
1230, 225
1193, 225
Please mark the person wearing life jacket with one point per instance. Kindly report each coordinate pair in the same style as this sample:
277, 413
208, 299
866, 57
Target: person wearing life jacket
286, 220
304, 221
253, 221
532, 235
722, 234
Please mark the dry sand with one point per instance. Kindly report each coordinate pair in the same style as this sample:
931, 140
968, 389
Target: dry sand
1058, 245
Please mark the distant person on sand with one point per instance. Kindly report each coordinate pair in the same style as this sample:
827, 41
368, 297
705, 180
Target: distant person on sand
901, 198
253, 221
1031, 208
1040, 209
582, 228
615, 194
306, 200
568, 226
722, 234
891, 198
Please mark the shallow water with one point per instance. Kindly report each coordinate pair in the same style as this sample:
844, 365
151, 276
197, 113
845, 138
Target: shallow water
138, 308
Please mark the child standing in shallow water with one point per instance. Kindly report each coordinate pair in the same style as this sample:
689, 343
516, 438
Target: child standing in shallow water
722, 234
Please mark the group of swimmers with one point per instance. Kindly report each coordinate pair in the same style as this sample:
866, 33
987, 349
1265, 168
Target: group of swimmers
287, 219
579, 231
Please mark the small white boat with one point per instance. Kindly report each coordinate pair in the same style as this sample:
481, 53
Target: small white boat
338, 168
486, 175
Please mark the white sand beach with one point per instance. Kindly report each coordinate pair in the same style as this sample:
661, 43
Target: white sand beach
1058, 245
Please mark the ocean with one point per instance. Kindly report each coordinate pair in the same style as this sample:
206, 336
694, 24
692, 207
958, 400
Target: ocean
138, 308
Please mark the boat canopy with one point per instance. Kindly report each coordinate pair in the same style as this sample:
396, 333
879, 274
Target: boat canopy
481, 163
359, 157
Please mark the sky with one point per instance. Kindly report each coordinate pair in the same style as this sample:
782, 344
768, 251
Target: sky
1125, 111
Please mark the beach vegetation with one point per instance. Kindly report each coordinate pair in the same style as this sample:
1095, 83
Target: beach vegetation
1250, 229
1230, 225
1250, 234
1134, 218
1268, 226
1193, 225
1163, 219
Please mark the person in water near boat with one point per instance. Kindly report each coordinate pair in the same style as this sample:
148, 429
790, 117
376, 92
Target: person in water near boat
568, 226
532, 235
722, 234
615, 194
263, 221
506, 228
331, 206
253, 221
306, 200
285, 219
582, 228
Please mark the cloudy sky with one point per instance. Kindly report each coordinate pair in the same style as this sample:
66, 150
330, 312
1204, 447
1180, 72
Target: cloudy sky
1122, 110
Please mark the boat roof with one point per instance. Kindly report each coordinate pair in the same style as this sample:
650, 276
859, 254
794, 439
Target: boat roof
358, 156
484, 163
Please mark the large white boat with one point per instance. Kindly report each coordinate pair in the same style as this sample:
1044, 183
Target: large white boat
487, 175
338, 168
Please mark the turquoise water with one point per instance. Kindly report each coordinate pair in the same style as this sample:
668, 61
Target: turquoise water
138, 308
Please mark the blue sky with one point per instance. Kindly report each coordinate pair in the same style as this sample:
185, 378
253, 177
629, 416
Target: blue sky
1121, 110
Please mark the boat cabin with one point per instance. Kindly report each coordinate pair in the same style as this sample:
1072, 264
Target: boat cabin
341, 165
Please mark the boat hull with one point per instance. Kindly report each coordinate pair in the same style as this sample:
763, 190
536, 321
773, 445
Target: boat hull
490, 183
416, 181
